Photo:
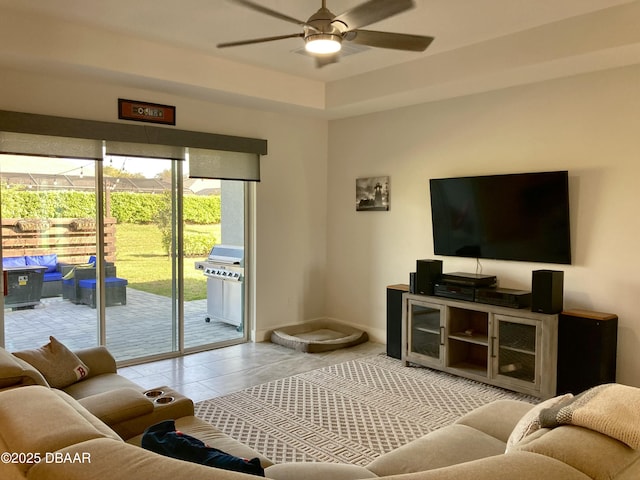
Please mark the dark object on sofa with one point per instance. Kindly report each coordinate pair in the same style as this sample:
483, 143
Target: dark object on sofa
163, 438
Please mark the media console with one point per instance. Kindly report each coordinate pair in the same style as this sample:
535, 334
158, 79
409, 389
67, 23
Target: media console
506, 347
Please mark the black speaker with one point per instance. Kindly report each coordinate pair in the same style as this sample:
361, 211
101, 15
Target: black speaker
428, 273
547, 291
394, 319
412, 282
587, 345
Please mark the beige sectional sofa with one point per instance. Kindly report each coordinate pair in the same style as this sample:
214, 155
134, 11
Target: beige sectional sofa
92, 428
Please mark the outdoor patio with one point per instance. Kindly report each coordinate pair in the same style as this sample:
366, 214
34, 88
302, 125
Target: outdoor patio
142, 327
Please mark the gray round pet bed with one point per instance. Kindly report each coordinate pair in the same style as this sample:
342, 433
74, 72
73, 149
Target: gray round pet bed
318, 336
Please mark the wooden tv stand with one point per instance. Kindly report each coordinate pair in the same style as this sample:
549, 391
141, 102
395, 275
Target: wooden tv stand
507, 347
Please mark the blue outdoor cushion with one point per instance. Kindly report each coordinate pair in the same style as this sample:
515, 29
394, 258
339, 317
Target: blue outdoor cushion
14, 262
108, 282
49, 261
52, 276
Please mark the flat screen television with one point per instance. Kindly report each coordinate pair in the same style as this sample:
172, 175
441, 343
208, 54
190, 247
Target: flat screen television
523, 217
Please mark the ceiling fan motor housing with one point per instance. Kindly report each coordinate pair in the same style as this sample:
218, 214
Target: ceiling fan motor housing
319, 27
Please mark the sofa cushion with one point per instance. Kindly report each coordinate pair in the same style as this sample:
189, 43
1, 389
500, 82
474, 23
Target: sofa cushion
87, 415
596, 455
116, 406
8, 262
163, 438
530, 422
210, 435
497, 418
94, 385
514, 466
14, 371
317, 471
59, 365
98, 359
90, 283
109, 459
35, 419
441, 448
50, 261
52, 277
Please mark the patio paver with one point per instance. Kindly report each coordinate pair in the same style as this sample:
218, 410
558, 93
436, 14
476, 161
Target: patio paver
142, 327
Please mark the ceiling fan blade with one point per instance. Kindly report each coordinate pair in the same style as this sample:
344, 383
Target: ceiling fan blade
323, 60
396, 41
259, 40
268, 11
372, 11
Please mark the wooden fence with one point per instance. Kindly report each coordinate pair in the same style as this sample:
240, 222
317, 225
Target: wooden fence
72, 239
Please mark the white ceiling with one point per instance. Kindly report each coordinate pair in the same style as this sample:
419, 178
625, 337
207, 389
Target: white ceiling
199, 25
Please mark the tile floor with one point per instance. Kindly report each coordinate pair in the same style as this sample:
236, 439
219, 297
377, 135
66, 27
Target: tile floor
205, 375
141, 328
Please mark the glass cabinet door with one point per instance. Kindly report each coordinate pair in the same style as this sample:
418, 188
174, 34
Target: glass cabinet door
425, 330
518, 344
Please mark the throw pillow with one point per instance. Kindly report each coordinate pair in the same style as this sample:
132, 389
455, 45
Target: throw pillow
72, 273
530, 422
59, 365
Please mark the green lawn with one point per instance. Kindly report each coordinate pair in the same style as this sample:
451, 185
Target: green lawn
141, 260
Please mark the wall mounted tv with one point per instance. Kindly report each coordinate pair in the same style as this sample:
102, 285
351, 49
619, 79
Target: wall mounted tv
523, 216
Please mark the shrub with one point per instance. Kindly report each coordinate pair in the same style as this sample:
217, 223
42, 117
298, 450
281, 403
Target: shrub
131, 207
198, 244
201, 210
126, 207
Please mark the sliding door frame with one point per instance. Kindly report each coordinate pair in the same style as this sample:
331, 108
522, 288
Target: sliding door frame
164, 143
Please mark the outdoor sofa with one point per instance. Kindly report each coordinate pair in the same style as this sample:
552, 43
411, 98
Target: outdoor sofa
76, 283
490, 442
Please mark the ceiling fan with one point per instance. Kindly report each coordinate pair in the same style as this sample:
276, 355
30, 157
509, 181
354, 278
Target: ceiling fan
324, 32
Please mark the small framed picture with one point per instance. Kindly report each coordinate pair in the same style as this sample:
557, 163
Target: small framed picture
372, 194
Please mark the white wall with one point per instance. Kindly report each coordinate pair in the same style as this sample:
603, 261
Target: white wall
291, 198
586, 124
318, 257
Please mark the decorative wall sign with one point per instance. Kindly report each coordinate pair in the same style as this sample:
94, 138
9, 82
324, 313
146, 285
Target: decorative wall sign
33, 225
372, 194
146, 112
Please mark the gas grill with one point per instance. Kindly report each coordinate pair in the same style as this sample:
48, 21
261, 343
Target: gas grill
224, 269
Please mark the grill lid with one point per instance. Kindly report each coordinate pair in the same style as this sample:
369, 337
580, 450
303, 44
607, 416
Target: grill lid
231, 254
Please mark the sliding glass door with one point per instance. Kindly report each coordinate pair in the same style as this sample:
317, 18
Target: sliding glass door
49, 216
215, 276
48, 213
140, 313
131, 231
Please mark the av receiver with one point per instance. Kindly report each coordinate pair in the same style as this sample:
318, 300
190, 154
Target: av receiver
504, 297
457, 292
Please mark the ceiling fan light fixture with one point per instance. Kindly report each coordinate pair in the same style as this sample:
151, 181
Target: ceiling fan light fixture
323, 43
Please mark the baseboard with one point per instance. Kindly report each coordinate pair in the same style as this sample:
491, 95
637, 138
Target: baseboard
376, 335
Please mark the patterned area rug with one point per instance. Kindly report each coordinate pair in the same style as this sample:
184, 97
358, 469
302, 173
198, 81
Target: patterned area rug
351, 412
